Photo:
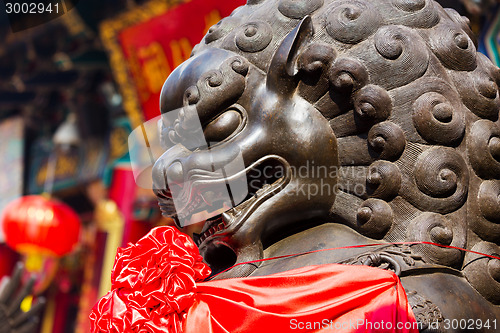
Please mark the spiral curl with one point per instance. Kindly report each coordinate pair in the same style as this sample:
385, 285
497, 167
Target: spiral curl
484, 149
397, 57
439, 183
240, 66
484, 208
387, 139
453, 47
352, 21
437, 119
213, 78
254, 36
373, 103
483, 273
416, 13
375, 218
316, 58
436, 228
348, 74
445, 170
479, 89
463, 22
383, 180
191, 95
221, 29
489, 200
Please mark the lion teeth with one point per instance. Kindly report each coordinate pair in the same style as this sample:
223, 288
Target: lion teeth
227, 217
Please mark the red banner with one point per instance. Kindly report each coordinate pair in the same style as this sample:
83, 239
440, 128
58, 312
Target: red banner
152, 48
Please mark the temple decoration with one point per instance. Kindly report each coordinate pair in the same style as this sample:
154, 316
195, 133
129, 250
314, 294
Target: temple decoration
37, 226
148, 42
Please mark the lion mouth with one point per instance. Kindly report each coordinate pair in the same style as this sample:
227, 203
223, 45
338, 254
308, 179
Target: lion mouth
232, 219
215, 242
265, 178
212, 226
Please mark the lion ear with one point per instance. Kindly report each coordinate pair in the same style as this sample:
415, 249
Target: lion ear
282, 74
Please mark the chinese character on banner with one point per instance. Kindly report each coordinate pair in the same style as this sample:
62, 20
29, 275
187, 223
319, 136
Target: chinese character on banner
146, 44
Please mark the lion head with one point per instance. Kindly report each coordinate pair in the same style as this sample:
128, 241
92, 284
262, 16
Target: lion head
385, 106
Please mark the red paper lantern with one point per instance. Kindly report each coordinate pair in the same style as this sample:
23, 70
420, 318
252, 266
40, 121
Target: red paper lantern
37, 225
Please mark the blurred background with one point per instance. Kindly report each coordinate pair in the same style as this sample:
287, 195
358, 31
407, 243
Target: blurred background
71, 91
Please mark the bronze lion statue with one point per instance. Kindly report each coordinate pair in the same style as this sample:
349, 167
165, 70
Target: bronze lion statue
359, 122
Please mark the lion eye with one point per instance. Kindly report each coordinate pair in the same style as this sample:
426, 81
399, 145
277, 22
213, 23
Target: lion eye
223, 126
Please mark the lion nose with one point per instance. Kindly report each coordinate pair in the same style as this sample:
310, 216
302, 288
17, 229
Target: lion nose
175, 174
169, 169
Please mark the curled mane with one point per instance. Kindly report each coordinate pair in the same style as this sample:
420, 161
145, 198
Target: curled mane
415, 109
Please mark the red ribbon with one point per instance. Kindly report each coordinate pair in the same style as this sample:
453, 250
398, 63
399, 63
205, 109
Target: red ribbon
357, 247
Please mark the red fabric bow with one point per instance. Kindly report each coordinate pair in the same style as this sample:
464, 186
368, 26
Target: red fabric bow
157, 288
153, 285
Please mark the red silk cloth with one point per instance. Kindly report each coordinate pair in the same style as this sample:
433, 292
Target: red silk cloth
156, 287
